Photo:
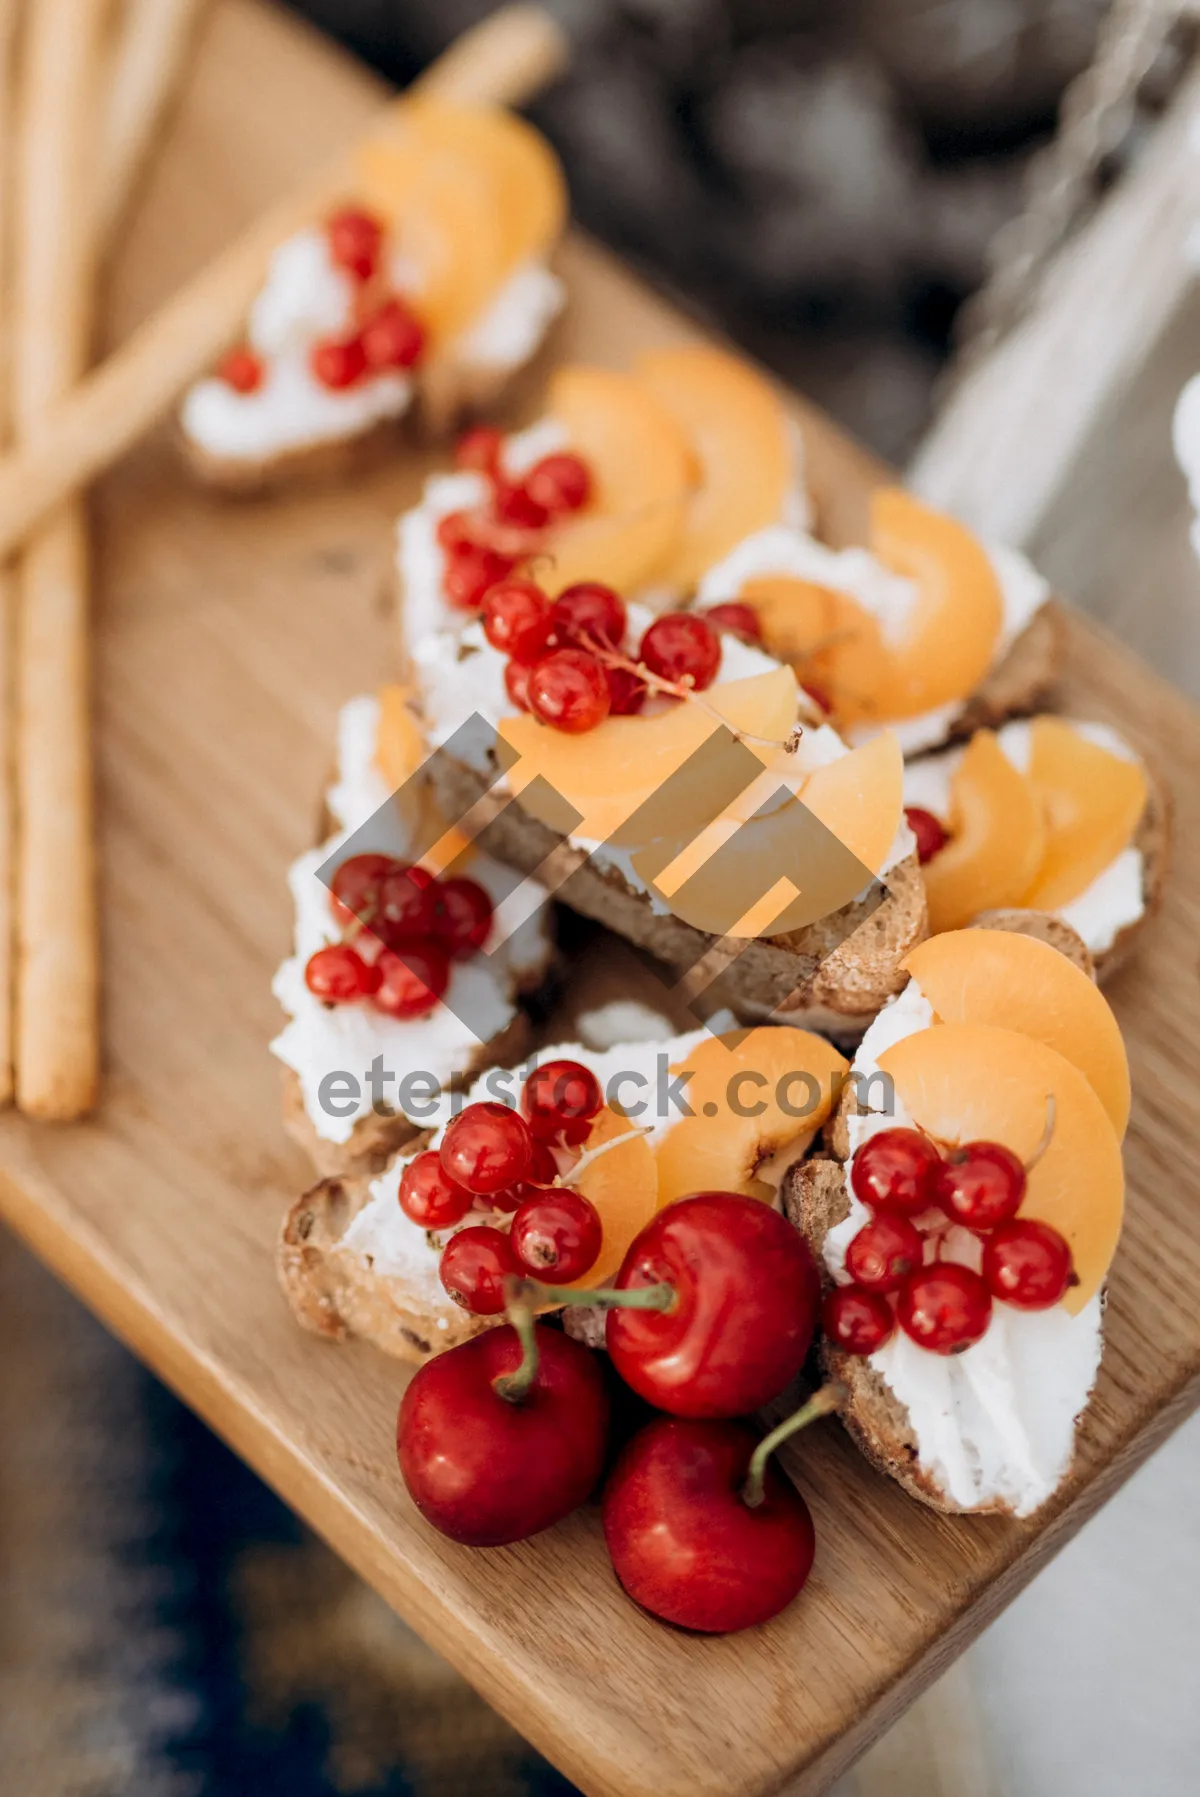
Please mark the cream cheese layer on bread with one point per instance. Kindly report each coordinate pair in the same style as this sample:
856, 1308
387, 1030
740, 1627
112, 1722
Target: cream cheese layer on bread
994, 1426
886, 597
1114, 899
320, 1039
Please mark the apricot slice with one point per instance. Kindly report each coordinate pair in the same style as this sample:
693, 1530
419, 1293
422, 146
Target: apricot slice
1001, 977
754, 1094
608, 773
966, 1082
623, 1185
399, 745
641, 475
1092, 801
831, 641
996, 838
736, 430
521, 169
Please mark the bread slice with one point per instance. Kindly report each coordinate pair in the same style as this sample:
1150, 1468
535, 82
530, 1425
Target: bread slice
1022, 679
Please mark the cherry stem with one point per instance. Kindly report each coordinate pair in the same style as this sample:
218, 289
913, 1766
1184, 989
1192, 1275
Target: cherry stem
593, 1154
822, 1403
514, 1388
520, 1292
682, 689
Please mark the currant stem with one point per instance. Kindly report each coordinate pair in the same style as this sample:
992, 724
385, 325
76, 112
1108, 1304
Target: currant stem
609, 657
593, 1154
520, 1292
514, 1388
1047, 1134
822, 1403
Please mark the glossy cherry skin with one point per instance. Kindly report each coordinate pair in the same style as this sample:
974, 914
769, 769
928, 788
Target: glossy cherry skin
897, 1169
930, 834
683, 1543
485, 1471
747, 1298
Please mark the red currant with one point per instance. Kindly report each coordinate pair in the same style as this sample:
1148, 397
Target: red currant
412, 983
738, 618
355, 239
896, 1170
406, 906
980, 1185
462, 917
930, 835
513, 504
884, 1252
354, 888
428, 1197
559, 1093
478, 449
486, 1148
516, 619
242, 370
338, 974
682, 645
627, 693
857, 1321
560, 483
471, 571
568, 690
557, 1233
945, 1308
1028, 1264
392, 337
589, 612
473, 1267
456, 533
338, 363
516, 683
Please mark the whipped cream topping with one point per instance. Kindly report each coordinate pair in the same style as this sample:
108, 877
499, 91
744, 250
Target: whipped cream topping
321, 1039
888, 597
996, 1424
1116, 898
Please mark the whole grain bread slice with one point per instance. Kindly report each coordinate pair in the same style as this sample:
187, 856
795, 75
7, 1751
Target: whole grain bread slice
1022, 679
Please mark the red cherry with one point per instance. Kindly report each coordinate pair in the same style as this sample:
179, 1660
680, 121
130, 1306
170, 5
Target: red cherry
405, 908
486, 1148
354, 888
884, 1252
559, 483
558, 1093
338, 974
744, 1312
516, 619
980, 1185
355, 238
684, 1543
626, 692
557, 1234
470, 572
930, 835
478, 449
568, 690
897, 1169
427, 1197
740, 619
857, 1321
485, 1469
682, 645
412, 982
474, 1265
945, 1308
463, 916
242, 370
589, 610
512, 503
516, 683
392, 337
1028, 1264
338, 363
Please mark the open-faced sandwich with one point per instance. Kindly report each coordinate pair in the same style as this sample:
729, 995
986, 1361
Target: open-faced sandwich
427, 283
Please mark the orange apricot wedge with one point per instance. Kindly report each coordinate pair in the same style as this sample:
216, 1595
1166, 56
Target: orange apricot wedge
737, 433
1092, 801
755, 1094
996, 838
971, 1082
521, 170
399, 745
623, 1185
831, 642
1002, 977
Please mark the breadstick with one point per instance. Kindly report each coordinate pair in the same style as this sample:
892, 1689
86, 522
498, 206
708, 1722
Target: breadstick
151, 42
57, 1036
505, 59
8, 29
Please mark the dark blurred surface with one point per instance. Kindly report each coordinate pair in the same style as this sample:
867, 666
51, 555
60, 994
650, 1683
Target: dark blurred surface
822, 177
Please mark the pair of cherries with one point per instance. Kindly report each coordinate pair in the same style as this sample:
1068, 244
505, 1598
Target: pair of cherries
402, 930
389, 335
916, 1192
710, 1317
484, 546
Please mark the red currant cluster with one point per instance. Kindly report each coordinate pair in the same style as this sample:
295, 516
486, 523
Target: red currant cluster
485, 545
387, 334
504, 1161
929, 832
402, 928
917, 1193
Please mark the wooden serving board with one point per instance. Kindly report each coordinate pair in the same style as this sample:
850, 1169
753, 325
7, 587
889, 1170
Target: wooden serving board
227, 636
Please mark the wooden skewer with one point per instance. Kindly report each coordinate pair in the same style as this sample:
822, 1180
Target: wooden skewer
149, 54
505, 60
8, 33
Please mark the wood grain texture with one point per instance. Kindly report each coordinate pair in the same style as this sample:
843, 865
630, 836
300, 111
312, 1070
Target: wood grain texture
227, 636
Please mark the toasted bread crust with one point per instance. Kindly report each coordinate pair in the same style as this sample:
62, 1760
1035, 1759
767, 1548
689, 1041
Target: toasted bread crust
1023, 677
